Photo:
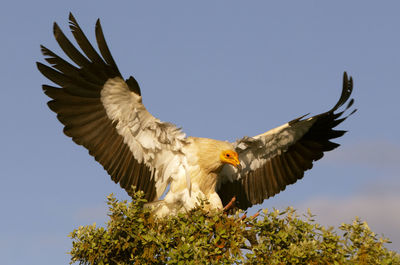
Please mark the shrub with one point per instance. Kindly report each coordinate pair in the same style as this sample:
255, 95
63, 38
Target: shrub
133, 236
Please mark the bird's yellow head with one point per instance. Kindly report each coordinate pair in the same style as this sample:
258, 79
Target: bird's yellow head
230, 157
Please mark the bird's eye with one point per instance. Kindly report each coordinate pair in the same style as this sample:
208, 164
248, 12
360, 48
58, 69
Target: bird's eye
228, 155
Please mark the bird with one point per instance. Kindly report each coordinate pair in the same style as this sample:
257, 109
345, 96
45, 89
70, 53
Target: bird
104, 113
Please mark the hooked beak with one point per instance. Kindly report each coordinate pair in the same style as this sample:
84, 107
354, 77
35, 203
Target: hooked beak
237, 164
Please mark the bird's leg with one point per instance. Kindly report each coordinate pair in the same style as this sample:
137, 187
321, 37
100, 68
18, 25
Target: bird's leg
230, 205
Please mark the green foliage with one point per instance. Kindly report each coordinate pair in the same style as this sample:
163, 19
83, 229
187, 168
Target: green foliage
133, 236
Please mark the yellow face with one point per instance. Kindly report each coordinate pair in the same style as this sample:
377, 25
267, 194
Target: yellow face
230, 157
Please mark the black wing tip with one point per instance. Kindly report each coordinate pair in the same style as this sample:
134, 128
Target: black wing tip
72, 19
347, 89
74, 22
298, 119
351, 102
47, 53
133, 85
46, 88
98, 28
347, 82
346, 93
347, 78
56, 29
57, 32
41, 67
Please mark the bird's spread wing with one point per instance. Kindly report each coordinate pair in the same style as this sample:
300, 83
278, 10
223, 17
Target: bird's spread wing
279, 157
105, 114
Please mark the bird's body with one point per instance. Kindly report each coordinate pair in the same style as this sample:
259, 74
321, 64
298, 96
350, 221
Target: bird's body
104, 113
203, 170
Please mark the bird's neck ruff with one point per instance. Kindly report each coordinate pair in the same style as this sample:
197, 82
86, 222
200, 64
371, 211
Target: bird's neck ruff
209, 162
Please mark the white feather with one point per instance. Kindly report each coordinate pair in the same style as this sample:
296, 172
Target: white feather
157, 144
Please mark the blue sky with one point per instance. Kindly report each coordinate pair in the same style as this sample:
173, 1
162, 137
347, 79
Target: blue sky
218, 69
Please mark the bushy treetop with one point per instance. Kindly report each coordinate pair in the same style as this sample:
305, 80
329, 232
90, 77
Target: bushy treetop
134, 236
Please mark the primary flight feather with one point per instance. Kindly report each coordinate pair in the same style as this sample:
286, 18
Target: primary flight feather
104, 113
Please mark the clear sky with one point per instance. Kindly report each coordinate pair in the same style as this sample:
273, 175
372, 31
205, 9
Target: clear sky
219, 69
